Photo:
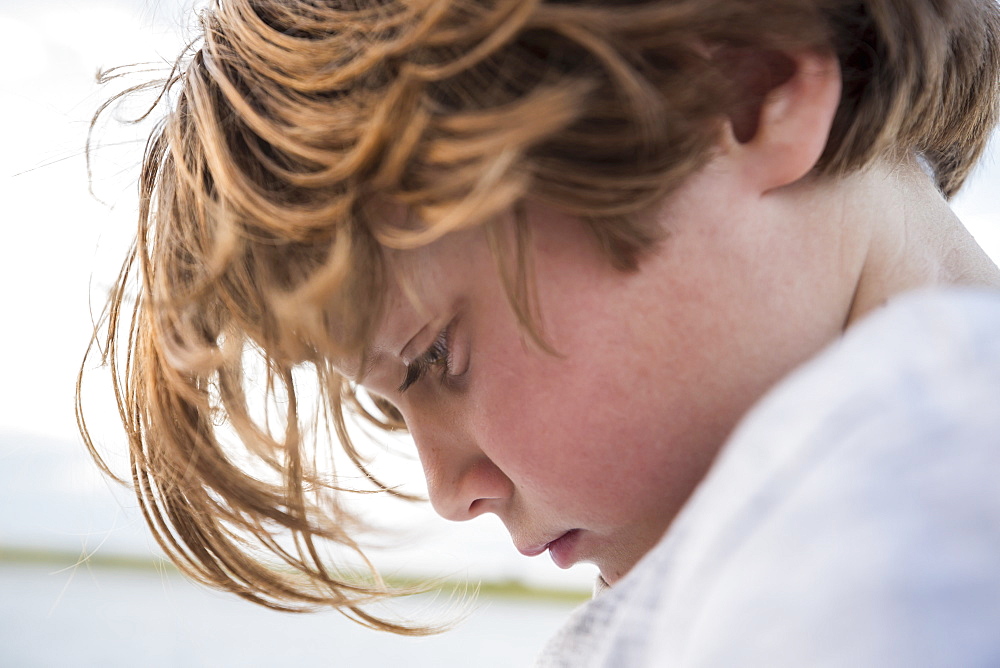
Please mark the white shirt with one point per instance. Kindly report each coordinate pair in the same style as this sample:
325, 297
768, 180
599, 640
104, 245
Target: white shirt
853, 519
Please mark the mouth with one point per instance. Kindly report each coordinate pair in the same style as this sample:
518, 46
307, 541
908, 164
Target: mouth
562, 549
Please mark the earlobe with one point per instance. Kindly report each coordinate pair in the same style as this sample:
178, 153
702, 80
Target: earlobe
779, 135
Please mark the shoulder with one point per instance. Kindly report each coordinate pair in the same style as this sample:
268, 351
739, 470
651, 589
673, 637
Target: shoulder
853, 518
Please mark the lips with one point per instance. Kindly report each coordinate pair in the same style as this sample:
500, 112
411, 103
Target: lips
563, 549
560, 549
534, 551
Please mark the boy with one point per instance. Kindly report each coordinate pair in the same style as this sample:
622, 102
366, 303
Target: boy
568, 247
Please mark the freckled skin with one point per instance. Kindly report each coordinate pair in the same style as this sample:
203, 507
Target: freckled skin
763, 263
612, 434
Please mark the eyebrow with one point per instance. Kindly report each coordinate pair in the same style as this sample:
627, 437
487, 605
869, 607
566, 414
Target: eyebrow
357, 373
374, 357
370, 359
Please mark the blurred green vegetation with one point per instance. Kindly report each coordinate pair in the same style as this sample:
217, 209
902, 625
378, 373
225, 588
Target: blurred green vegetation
507, 589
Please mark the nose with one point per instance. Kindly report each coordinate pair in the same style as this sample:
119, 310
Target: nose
462, 481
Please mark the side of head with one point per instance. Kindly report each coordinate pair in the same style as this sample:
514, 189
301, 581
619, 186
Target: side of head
296, 126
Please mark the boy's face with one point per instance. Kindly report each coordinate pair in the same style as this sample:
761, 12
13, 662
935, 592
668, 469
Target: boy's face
592, 452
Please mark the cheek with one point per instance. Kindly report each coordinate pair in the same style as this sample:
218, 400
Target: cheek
568, 436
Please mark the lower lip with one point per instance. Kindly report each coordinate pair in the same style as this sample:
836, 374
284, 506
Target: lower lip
562, 549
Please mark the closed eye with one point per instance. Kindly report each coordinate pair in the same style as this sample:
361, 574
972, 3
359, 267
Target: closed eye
437, 356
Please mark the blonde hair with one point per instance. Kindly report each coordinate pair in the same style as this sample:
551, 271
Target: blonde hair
295, 121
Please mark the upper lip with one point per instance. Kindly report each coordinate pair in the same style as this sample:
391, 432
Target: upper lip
538, 548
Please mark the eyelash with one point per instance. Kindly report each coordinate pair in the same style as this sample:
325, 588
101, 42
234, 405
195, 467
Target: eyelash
437, 355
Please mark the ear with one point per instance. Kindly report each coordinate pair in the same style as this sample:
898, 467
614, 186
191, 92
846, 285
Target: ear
780, 126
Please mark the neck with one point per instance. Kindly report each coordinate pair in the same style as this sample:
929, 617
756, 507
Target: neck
912, 240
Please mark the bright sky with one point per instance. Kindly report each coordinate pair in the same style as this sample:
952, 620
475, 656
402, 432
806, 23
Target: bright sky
58, 238
56, 235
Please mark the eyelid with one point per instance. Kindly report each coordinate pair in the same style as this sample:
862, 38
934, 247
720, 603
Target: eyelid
416, 368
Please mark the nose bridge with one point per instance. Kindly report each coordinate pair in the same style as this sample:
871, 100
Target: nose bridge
462, 481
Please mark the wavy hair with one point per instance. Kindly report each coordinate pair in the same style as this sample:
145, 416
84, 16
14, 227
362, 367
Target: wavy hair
290, 124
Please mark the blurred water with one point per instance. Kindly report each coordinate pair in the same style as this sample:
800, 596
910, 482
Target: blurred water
103, 617
52, 498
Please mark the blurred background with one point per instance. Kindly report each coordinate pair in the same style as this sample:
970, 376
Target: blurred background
80, 581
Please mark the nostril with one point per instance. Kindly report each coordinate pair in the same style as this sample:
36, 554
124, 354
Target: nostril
476, 488
479, 506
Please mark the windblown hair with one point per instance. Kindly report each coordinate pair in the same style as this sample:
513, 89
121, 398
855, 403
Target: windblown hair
291, 124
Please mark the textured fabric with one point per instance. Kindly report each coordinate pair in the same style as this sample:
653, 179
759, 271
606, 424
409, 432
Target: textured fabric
853, 519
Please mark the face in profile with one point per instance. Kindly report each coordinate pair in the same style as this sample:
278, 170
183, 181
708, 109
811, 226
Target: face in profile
591, 450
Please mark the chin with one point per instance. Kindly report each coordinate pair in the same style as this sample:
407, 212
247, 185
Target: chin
610, 574
617, 565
